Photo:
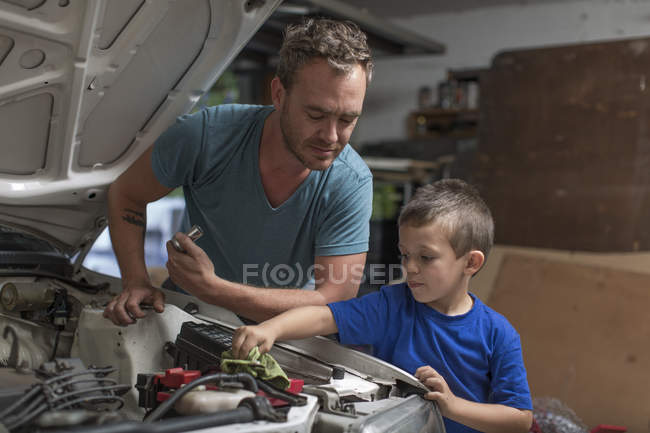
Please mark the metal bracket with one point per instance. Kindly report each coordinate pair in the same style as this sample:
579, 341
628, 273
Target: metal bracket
329, 400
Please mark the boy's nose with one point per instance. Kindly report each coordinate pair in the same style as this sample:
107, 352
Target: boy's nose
411, 267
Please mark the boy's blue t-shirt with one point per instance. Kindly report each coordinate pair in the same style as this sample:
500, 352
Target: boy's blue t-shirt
213, 154
477, 353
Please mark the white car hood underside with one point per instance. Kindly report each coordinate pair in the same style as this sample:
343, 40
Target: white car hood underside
87, 86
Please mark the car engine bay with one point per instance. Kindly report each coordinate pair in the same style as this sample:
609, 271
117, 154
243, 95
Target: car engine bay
64, 365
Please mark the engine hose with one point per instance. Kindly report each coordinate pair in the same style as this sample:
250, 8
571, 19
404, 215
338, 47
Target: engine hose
35, 408
21, 401
273, 392
249, 410
239, 415
246, 379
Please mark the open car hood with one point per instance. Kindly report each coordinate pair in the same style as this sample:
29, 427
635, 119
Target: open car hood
87, 86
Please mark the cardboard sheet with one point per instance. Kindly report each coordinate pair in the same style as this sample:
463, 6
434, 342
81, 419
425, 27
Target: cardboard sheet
585, 332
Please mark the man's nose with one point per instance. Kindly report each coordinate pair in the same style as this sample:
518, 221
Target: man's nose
329, 132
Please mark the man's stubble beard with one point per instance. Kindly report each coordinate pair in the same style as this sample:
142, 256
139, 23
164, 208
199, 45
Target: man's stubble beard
291, 143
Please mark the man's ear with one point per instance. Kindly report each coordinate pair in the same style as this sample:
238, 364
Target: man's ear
475, 260
278, 93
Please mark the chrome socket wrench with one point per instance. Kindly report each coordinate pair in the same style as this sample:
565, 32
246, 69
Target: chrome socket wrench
194, 233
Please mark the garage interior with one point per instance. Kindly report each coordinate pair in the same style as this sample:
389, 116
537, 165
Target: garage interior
543, 105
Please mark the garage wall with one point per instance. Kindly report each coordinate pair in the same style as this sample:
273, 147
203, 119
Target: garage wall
584, 336
474, 37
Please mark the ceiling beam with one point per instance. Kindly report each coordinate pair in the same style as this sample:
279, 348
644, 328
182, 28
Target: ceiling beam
412, 42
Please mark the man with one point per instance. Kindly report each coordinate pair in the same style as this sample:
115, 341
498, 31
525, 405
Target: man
276, 189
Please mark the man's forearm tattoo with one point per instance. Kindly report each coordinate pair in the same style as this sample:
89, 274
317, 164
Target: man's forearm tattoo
134, 217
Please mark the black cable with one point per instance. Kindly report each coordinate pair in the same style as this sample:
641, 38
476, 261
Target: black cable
40, 399
52, 379
58, 384
165, 406
56, 342
20, 401
28, 414
273, 392
103, 381
27, 419
98, 399
242, 414
92, 379
37, 407
54, 386
60, 392
102, 389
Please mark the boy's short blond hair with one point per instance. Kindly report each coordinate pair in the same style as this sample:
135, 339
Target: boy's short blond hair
459, 208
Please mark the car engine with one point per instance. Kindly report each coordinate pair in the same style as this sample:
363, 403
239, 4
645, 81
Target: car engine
64, 366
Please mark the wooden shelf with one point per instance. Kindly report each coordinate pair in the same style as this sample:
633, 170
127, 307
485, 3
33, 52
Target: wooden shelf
469, 74
438, 122
407, 170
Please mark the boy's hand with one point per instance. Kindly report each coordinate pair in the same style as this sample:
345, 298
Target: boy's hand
247, 337
439, 390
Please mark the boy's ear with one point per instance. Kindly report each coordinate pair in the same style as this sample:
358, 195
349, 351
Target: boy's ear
475, 260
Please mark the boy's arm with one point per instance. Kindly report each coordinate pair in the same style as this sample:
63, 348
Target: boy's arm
490, 418
484, 417
294, 324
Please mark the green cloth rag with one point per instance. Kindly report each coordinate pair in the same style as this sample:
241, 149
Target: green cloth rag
262, 366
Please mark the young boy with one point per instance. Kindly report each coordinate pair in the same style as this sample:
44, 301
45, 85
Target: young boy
465, 353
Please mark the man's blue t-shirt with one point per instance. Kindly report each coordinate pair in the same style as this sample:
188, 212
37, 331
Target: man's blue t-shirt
214, 154
477, 353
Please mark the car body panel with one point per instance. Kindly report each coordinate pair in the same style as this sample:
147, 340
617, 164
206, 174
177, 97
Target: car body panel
85, 88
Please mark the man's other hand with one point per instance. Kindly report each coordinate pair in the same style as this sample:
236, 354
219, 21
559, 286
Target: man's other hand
125, 309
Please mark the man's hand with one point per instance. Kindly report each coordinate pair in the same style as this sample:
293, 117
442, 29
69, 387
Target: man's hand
124, 309
192, 270
439, 390
247, 337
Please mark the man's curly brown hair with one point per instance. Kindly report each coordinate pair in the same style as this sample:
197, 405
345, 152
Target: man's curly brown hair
342, 43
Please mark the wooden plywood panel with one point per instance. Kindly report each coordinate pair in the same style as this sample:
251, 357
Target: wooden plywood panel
564, 148
585, 332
